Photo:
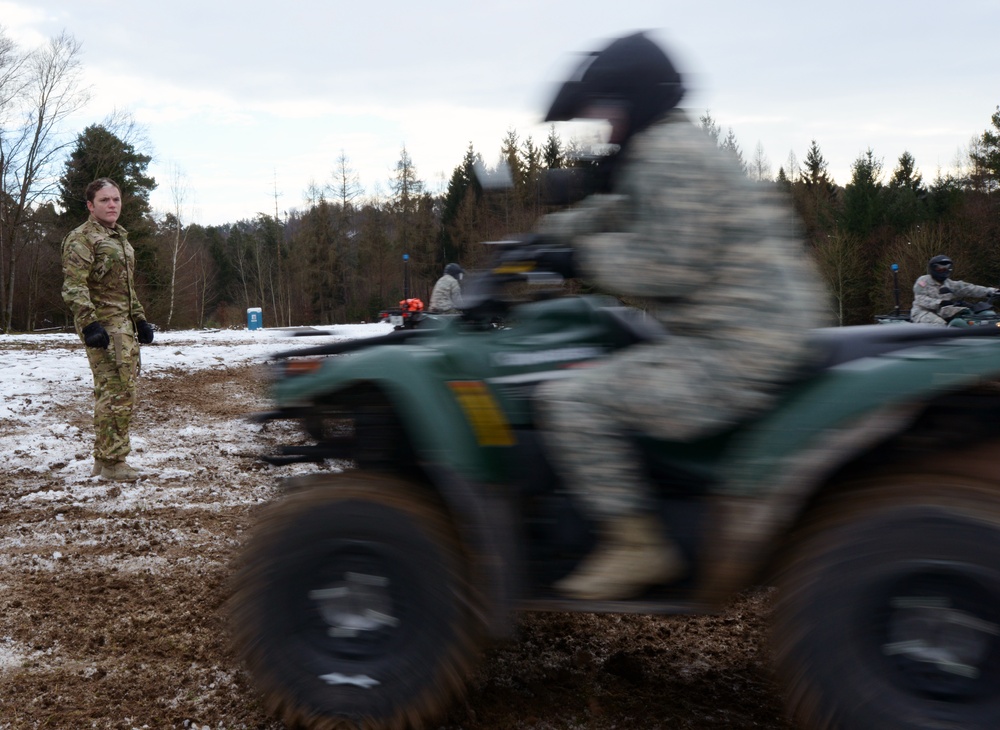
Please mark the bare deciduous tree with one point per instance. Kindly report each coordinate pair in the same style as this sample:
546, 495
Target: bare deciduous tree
840, 263
760, 166
12, 78
178, 232
792, 168
345, 188
44, 90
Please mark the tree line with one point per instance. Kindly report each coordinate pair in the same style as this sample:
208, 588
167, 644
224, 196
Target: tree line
340, 258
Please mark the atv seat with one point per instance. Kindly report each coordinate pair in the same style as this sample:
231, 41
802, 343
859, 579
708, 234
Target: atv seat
837, 345
831, 345
693, 468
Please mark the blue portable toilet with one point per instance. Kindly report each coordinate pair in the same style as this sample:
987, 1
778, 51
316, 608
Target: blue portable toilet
255, 318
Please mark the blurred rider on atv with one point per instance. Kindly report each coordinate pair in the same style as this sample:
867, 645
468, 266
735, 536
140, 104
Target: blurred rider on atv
935, 294
715, 257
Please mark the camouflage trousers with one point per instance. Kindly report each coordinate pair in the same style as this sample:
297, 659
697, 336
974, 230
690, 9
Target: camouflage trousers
667, 390
926, 317
116, 372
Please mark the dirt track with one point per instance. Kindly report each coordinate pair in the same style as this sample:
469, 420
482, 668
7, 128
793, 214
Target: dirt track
111, 599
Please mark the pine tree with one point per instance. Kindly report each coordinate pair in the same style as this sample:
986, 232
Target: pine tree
863, 196
987, 156
552, 153
782, 180
406, 190
460, 202
905, 195
815, 195
101, 153
531, 193
511, 157
730, 145
710, 127
815, 173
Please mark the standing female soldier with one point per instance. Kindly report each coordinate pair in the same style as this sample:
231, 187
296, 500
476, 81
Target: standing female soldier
98, 264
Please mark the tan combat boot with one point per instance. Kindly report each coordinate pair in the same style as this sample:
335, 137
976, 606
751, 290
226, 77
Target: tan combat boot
98, 467
633, 554
119, 471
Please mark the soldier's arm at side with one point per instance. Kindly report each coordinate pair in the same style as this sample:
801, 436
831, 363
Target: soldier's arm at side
77, 261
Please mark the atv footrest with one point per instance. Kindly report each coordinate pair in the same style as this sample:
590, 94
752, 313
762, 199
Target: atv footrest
305, 454
678, 604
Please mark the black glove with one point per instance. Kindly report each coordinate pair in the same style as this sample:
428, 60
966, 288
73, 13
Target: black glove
144, 331
945, 290
94, 335
558, 261
546, 255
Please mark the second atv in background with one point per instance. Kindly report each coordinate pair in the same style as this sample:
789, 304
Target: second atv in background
955, 313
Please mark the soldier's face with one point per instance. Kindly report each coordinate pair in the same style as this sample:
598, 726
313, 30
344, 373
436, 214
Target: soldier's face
106, 205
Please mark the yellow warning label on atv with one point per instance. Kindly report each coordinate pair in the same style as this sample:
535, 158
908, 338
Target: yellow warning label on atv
483, 413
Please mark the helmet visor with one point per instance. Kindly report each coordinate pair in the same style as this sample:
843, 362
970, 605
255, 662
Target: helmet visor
942, 268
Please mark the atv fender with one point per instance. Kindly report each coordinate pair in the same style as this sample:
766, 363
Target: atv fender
778, 463
744, 528
424, 402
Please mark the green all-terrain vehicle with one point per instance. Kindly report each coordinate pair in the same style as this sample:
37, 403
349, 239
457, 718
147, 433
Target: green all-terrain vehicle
365, 596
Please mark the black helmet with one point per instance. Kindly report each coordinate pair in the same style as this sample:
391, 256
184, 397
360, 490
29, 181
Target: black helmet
632, 70
454, 270
940, 268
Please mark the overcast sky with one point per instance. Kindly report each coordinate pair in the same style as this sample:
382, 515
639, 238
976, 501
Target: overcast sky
248, 99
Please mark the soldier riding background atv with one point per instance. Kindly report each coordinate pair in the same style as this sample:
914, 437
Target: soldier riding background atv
971, 314
869, 496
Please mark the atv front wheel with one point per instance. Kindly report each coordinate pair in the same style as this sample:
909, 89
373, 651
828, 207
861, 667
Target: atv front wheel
354, 608
889, 610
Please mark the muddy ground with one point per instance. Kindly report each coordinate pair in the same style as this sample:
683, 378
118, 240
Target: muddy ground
111, 598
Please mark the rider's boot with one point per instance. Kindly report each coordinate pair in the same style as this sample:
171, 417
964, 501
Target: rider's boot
633, 553
119, 471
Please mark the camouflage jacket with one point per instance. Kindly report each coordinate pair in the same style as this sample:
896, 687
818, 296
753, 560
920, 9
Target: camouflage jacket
98, 264
447, 295
927, 296
719, 258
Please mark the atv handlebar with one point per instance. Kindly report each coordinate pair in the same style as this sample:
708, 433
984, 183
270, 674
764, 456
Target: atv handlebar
529, 260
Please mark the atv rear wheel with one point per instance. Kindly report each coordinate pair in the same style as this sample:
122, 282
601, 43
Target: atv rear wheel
889, 609
354, 608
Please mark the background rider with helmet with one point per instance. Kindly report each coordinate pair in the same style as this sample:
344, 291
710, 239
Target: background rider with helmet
935, 293
446, 298
716, 257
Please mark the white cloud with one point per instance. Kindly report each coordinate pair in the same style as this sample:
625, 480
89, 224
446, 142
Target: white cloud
21, 21
241, 98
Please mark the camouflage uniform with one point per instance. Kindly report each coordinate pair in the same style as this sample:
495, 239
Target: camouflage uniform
928, 299
97, 286
719, 260
447, 296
